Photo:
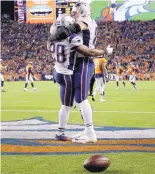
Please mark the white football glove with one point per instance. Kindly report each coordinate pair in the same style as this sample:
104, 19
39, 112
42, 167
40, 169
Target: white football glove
109, 49
48, 45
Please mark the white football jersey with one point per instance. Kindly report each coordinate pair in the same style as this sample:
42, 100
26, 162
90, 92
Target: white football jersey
64, 54
89, 36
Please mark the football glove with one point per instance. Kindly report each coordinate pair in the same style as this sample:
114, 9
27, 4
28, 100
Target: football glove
109, 49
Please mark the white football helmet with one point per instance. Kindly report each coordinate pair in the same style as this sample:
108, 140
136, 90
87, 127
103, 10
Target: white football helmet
62, 20
81, 9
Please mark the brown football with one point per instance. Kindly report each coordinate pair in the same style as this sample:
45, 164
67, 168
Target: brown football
96, 163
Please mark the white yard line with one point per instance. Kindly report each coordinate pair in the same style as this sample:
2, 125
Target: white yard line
99, 111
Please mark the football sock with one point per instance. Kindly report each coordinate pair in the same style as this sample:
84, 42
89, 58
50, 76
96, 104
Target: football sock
124, 83
117, 84
63, 118
102, 90
101, 97
134, 84
26, 85
32, 85
87, 114
2, 84
91, 86
60, 131
94, 93
78, 107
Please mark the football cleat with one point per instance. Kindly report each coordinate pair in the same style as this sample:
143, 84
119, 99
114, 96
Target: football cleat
136, 87
3, 90
62, 137
34, 89
25, 89
79, 135
88, 137
101, 100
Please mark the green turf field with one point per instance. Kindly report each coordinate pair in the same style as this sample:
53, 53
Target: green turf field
125, 108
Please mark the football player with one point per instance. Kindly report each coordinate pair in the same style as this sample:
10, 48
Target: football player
29, 76
85, 68
86, 27
119, 72
132, 74
100, 72
1, 75
68, 75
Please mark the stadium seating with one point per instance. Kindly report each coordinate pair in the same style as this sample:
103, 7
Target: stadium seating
132, 40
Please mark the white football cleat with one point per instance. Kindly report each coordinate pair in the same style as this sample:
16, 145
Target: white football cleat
79, 135
34, 89
25, 89
88, 137
101, 100
136, 87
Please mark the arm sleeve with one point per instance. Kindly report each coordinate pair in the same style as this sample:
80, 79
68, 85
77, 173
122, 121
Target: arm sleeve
64, 32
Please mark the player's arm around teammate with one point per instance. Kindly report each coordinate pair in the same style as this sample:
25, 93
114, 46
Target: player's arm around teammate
93, 52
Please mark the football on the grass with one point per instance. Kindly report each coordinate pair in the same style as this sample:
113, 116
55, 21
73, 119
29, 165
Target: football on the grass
96, 163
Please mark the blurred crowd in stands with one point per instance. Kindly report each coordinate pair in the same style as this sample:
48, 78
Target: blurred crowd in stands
132, 40
22, 43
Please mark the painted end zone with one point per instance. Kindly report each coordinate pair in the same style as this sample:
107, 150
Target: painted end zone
36, 137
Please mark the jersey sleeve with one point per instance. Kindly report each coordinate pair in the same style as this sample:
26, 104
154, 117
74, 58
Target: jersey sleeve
64, 32
75, 40
104, 60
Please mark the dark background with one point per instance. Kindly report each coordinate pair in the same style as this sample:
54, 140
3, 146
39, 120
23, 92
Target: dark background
7, 7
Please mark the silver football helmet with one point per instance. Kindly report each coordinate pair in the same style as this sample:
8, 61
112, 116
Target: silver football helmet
62, 20
81, 9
